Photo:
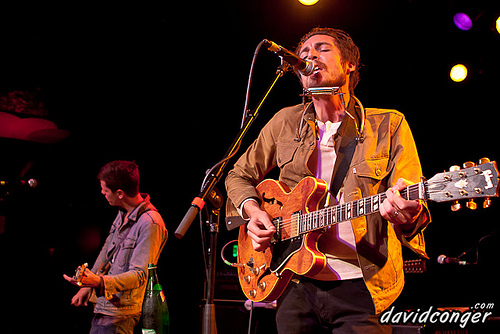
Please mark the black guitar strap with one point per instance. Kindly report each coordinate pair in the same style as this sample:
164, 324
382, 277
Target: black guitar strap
348, 141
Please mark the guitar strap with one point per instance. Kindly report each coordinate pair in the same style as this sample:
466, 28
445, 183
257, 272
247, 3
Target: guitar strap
345, 148
105, 266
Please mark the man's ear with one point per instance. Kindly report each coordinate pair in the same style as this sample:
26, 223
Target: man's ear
120, 193
350, 68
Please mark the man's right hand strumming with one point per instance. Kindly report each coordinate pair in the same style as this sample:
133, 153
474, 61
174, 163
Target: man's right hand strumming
260, 228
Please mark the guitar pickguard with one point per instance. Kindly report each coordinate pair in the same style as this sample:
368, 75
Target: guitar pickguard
282, 252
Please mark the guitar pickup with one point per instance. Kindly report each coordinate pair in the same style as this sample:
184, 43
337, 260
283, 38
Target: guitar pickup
277, 224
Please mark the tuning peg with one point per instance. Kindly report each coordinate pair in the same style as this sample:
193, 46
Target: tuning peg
470, 203
456, 204
484, 161
486, 203
487, 200
469, 164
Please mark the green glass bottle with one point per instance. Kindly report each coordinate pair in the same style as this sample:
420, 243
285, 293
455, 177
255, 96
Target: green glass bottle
155, 316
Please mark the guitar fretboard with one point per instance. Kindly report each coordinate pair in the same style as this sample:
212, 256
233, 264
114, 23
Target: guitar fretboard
302, 223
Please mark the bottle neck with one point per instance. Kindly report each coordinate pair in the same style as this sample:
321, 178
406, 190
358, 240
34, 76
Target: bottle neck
152, 278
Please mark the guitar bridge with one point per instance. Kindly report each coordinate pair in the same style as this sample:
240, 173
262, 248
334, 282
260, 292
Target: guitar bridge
277, 224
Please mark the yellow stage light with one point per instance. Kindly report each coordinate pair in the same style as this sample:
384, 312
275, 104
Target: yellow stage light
498, 24
458, 73
308, 2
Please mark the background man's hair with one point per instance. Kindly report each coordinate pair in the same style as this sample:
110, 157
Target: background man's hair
122, 175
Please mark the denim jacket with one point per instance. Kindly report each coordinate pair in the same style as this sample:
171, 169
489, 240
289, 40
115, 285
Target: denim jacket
385, 151
125, 283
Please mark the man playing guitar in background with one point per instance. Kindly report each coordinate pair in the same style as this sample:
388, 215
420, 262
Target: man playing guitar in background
358, 152
120, 272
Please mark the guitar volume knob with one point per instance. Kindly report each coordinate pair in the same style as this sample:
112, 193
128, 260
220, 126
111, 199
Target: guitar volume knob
252, 293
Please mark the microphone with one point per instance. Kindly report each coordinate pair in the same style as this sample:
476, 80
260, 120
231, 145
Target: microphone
306, 67
442, 259
31, 183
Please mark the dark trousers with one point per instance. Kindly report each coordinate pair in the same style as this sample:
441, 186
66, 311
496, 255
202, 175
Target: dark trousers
106, 324
327, 307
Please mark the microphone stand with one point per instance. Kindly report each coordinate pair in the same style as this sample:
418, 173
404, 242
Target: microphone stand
208, 191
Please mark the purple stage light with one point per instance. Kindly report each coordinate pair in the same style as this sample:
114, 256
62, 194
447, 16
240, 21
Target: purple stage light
462, 21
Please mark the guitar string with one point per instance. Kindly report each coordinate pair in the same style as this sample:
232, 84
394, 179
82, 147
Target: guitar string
341, 210
312, 217
410, 191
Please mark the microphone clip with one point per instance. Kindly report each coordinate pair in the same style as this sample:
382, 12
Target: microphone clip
283, 67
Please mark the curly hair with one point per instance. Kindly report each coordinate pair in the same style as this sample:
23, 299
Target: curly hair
349, 52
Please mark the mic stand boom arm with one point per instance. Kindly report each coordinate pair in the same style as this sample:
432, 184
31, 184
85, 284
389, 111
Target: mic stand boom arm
215, 173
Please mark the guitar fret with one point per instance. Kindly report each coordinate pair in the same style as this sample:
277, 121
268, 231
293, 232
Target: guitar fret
375, 200
346, 211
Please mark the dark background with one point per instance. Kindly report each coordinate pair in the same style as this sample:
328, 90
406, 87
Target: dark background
164, 85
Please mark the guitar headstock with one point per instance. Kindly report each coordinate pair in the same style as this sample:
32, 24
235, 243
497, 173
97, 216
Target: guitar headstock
473, 181
79, 273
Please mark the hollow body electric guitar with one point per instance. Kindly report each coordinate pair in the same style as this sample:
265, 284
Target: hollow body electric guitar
264, 275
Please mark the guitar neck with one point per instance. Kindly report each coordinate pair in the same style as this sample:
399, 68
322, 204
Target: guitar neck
336, 214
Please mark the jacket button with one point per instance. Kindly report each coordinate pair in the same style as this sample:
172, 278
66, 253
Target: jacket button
377, 172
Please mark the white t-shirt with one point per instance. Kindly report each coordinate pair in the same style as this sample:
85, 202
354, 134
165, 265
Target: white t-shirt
337, 243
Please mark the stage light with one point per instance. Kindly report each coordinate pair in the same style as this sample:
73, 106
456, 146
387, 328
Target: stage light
458, 73
498, 24
308, 2
462, 21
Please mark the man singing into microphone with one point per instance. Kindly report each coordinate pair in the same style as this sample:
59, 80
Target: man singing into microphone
136, 239
358, 152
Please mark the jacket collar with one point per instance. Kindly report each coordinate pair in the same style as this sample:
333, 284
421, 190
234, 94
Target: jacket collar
355, 115
144, 206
